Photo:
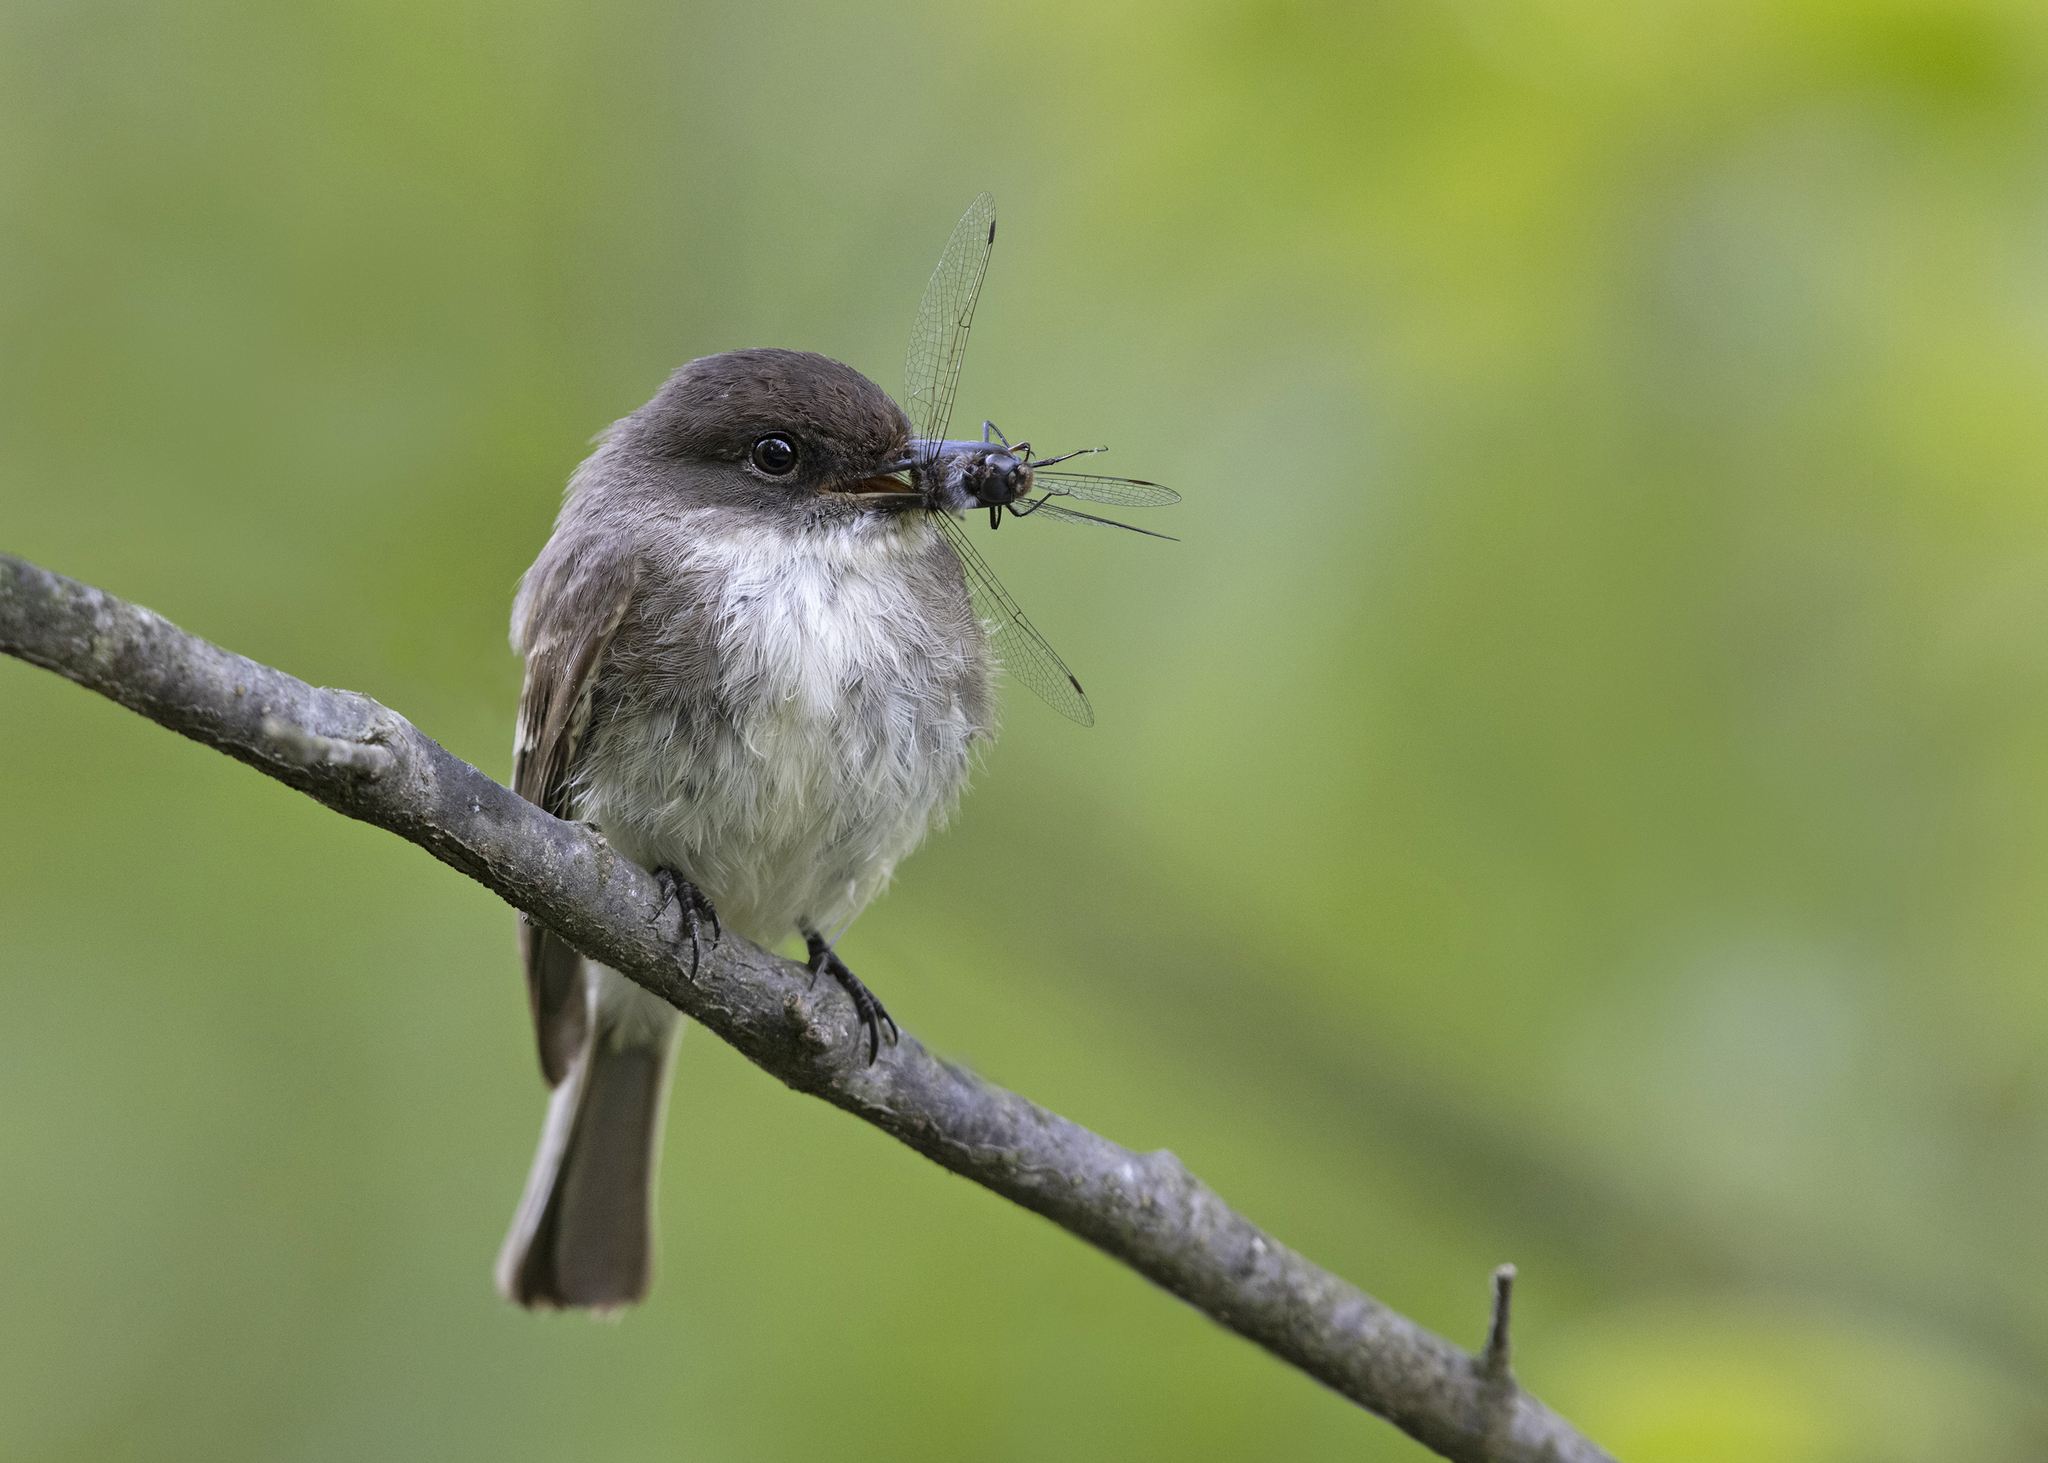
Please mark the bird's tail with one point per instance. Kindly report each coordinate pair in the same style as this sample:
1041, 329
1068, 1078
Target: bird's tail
584, 1233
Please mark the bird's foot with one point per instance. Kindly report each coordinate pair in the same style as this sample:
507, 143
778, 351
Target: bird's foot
871, 1011
697, 911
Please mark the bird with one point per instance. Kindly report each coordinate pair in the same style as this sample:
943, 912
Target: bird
753, 664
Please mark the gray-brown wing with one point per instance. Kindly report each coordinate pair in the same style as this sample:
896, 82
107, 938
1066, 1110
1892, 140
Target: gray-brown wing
570, 613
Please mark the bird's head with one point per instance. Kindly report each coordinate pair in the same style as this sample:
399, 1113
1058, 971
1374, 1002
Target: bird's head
784, 433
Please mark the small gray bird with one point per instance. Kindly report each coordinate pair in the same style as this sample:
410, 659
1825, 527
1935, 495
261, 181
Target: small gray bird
760, 651
753, 662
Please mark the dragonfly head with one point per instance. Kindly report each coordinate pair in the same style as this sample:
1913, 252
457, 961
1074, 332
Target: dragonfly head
996, 478
958, 477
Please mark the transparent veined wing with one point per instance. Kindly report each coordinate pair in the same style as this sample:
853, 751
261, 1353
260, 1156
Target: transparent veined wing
1040, 508
1123, 492
1018, 645
938, 341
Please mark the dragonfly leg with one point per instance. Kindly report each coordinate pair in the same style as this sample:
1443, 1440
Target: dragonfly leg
871, 1013
1077, 452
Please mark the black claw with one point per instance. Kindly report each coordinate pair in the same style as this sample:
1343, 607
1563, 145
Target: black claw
873, 1015
696, 910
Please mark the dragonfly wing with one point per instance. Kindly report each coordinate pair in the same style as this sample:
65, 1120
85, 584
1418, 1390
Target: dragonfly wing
1018, 645
1039, 508
1123, 492
938, 341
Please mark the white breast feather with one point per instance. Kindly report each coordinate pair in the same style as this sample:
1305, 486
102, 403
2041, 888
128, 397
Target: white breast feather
842, 741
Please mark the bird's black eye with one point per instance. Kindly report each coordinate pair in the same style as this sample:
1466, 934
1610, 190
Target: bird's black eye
774, 456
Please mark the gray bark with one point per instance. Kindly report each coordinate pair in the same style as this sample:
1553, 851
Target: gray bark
1144, 1209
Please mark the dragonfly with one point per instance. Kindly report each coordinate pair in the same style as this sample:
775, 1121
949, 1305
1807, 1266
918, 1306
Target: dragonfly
961, 476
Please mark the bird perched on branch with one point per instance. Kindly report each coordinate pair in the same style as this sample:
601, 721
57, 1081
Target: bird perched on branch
753, 662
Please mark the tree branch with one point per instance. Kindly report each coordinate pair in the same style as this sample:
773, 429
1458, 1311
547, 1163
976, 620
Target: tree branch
1144, 1209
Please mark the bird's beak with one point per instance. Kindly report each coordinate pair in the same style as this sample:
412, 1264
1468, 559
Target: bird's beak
878, 486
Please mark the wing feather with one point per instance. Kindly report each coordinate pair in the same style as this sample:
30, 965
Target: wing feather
569, 608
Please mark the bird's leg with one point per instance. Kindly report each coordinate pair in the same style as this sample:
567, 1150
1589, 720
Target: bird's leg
991, 432
675, 889
870, 1010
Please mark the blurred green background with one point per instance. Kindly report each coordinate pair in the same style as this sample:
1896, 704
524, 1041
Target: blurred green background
1577, 795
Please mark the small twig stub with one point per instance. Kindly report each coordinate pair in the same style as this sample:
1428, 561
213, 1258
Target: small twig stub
1498, 1349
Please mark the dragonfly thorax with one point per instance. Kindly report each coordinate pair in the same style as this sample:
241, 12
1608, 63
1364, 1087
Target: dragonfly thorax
995, 478
963, 476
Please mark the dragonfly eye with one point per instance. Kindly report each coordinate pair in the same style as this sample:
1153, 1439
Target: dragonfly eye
774, 456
